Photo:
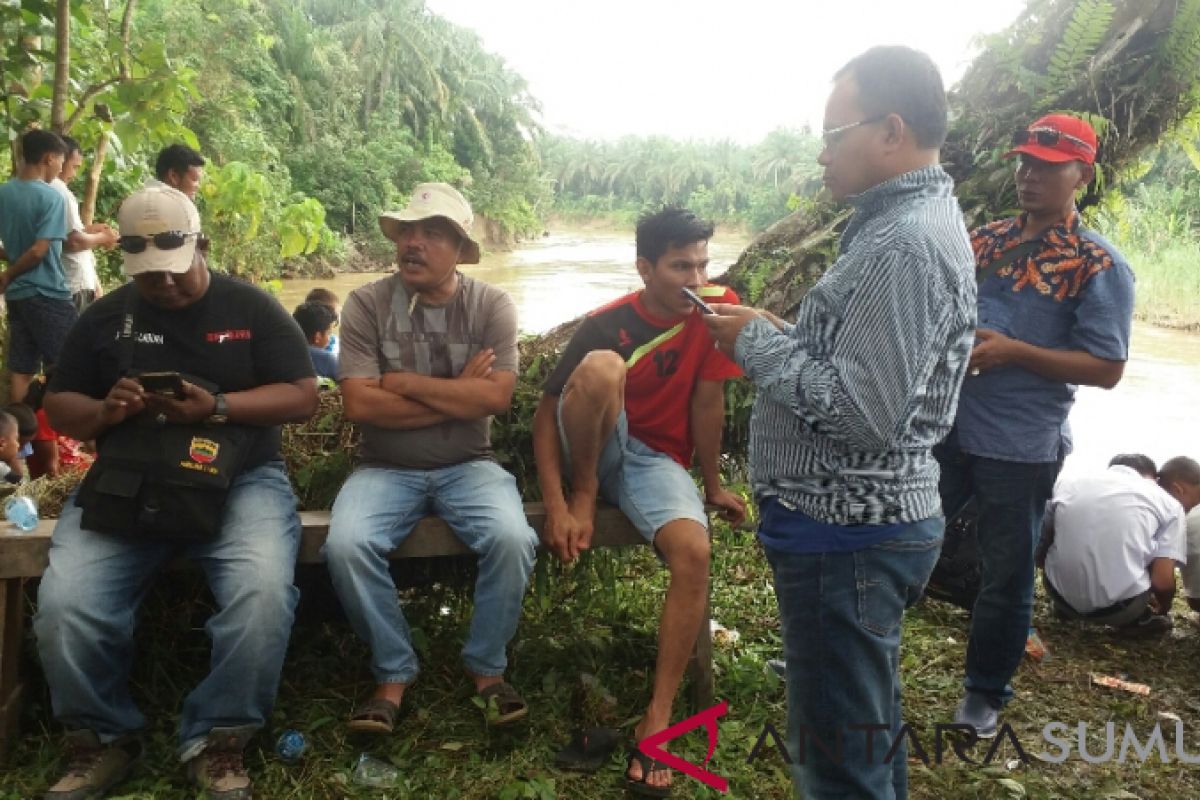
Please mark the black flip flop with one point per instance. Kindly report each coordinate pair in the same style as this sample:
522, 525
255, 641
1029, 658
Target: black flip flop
648, 766
588, 749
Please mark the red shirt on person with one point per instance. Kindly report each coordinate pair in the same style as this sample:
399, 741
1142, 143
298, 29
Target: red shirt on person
664, 359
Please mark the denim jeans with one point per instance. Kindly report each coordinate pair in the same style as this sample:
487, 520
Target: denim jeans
841, 615
89, 599
375, 511
1010, 497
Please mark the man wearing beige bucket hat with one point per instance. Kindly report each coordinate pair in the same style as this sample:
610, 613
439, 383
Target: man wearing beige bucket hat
428, 355
207, 368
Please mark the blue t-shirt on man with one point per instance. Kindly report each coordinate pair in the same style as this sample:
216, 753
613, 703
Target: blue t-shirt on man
1074, 293
32, 210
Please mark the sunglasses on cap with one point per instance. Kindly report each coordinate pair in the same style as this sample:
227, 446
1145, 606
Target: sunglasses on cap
1048, 137
167, 240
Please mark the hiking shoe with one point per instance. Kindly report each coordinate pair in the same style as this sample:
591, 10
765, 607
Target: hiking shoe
219, 768
980, 713
1148, 624
93, 768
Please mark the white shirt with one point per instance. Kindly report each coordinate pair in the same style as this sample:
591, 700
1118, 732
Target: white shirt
1108, 527
79, 268
1191, 573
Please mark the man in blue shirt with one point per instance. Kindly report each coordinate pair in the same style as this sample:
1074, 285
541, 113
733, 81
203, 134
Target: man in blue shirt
850, 401
1055, 306
33, 225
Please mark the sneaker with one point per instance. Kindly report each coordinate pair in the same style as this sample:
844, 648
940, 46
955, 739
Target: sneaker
980, 713
93, 768
1148, 624
219, 768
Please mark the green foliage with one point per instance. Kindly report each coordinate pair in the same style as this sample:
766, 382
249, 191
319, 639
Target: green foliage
252, 226
1155, 222
1089, 23
300, 228
1183, 41
529, 789
719, 180
350, 102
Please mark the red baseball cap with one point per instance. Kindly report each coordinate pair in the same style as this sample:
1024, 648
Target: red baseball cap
1056, 138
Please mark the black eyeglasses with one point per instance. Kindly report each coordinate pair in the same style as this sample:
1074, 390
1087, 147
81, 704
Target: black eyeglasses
167, 240
1048, 137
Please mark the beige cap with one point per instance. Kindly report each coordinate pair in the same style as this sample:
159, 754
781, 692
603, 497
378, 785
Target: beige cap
158, 209
436, 200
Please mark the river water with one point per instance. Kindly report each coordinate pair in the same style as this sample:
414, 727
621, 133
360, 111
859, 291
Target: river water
563, 275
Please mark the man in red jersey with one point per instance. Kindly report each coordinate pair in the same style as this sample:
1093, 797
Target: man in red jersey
640, 391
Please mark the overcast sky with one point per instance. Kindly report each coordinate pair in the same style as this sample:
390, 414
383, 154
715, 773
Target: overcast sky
708, 69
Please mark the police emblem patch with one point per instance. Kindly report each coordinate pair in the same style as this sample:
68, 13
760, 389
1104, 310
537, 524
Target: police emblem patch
203, 451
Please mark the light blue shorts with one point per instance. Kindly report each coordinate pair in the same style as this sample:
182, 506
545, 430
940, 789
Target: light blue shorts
650, 487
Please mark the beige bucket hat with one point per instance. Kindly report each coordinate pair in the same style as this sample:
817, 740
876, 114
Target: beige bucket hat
436, 200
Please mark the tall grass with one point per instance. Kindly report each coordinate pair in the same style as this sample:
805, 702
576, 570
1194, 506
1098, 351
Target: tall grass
1168, 283
1157, 228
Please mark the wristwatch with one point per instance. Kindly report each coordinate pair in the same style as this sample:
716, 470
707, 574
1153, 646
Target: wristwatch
220, 412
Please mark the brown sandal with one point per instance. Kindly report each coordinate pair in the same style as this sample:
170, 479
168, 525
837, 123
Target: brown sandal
502, 704
377, 715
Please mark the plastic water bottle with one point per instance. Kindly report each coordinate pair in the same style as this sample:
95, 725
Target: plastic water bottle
291, 746
21, 512
371, 771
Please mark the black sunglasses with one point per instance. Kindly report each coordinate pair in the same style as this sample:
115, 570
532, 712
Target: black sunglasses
167, 240
1047, 137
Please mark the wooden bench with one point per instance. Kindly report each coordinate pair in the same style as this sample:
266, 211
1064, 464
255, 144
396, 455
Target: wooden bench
24, 556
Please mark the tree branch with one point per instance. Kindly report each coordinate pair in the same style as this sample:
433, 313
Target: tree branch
81, 107
126, 25
62, 65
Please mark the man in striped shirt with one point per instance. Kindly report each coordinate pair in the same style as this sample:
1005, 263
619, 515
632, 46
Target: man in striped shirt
851, 400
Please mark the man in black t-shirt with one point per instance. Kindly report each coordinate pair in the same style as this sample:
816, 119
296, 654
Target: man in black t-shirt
243, 362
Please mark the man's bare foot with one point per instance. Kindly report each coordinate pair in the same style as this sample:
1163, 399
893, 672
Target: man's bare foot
582, 508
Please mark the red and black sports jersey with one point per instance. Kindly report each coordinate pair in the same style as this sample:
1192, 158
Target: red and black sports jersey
663, 359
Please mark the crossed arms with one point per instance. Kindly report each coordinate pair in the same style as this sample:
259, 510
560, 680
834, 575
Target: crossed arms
406, 400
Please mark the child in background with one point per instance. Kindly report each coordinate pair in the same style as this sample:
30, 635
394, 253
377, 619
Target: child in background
327, 298
316, 320
53, 454
27, 427
10, 446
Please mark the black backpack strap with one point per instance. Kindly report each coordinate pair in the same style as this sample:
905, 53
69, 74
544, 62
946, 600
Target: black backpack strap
1020, 251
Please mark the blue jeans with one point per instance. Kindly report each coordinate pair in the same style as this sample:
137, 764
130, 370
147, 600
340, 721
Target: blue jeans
375, 511
89, 599
841, 615
1010, 497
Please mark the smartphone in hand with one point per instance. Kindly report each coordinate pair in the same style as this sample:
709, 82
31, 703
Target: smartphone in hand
164, 384
696, 301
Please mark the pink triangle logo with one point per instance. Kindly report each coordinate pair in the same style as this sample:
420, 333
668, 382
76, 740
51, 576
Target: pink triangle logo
652, 746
